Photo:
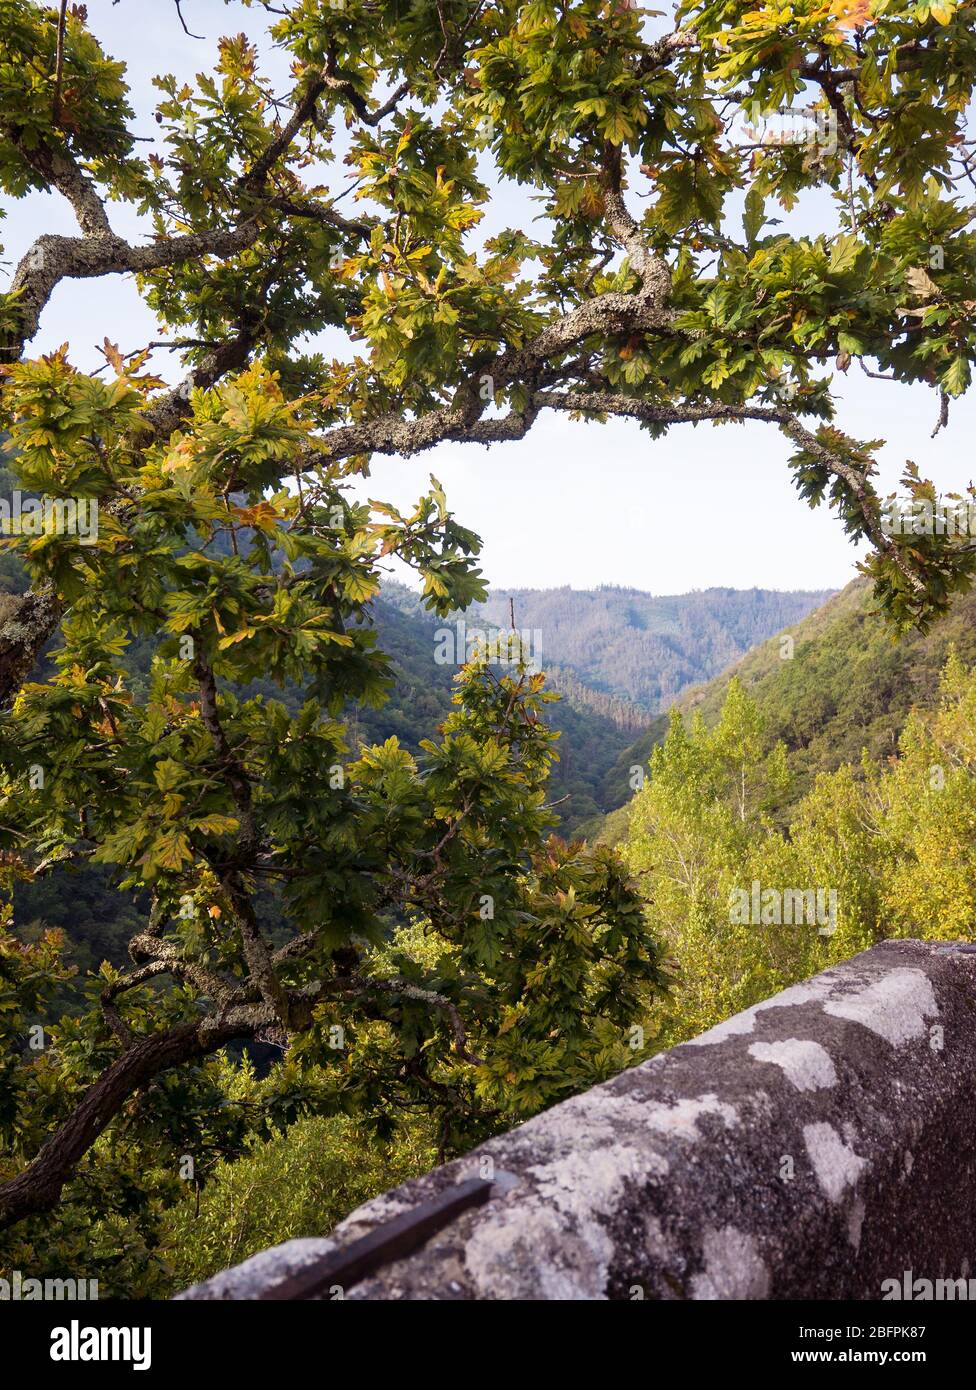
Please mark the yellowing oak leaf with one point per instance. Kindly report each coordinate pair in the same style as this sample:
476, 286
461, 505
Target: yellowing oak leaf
263, 516
113, 356
922, 283
180, 456
241, 635
591, 201
942, 11
170, 851
851, 14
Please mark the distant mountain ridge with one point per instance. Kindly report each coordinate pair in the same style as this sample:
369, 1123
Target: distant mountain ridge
643, 649
848, 686
688, 636
589, 742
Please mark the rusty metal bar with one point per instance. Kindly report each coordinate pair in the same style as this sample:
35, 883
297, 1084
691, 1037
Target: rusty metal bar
391, 1241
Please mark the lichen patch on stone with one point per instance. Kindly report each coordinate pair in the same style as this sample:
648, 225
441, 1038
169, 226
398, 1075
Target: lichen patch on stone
540, 1252
855, 1222
733, 1268
837, 1167
806, 1064
894, 1007
681, 1119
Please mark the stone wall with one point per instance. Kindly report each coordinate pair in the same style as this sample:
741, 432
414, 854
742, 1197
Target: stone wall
814, 1146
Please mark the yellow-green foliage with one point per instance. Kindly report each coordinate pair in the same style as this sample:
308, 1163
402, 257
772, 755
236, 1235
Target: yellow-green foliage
895, 841
301, 1183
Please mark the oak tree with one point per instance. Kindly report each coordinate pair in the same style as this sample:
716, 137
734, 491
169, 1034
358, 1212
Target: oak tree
657, 286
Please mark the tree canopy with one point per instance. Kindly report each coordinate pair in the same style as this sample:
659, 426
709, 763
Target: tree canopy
656, 286
719, 841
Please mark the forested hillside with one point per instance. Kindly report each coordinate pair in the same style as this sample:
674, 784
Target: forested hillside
420, 700
756, 883
643, 649
848, 685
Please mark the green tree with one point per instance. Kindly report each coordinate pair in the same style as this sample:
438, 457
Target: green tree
922, 813
701, 830
892, 841
199, 797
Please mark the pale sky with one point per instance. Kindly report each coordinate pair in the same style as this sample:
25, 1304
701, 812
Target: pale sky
572, 503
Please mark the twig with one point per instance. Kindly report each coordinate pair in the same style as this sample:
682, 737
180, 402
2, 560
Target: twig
59, 60
179, 11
